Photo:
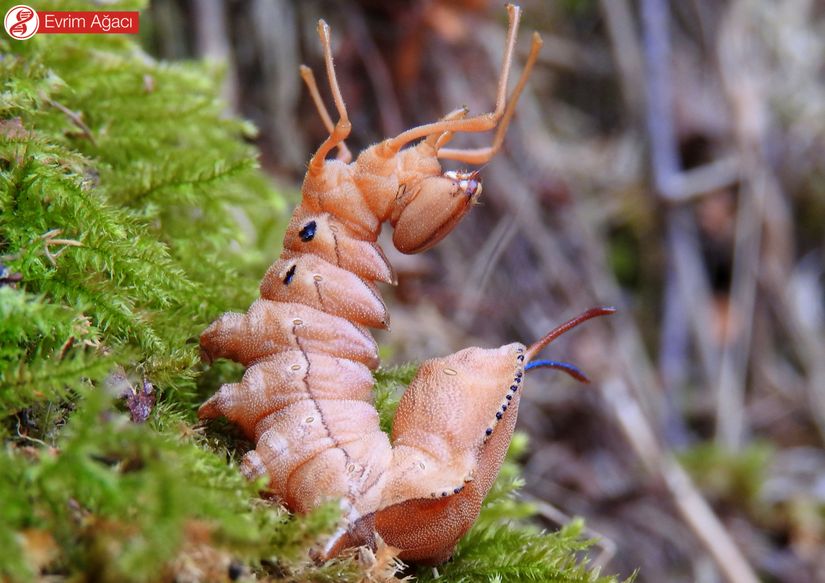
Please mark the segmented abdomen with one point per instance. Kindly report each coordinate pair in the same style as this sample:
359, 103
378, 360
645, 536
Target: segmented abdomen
306, 397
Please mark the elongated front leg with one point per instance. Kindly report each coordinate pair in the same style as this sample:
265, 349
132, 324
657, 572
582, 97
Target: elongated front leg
343, 127
438, 140
344, 155
478, 123
479, 156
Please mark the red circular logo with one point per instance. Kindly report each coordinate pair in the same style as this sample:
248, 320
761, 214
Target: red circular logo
21, 22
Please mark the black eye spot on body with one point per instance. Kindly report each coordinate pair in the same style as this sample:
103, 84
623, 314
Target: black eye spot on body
289, 275
308, 232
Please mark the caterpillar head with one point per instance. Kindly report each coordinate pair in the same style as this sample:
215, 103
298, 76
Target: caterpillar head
450, 435
437, 204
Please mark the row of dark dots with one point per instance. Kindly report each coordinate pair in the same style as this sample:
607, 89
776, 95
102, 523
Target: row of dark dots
499, 414
513, 388
445, 493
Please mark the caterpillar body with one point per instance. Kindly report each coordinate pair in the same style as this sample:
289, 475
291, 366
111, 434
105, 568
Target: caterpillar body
306, 396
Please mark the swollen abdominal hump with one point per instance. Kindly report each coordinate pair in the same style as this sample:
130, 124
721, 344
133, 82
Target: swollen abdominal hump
224, 338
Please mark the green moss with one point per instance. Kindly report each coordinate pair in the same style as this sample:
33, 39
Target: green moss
120, 179
389, 386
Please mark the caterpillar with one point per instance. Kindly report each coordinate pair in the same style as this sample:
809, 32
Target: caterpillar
306, 396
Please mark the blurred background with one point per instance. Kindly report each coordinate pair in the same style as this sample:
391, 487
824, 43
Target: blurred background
666, 158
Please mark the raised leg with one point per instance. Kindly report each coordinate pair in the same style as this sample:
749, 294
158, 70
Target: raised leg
438, 140
309, 79
484, 155
478, 123
342, 128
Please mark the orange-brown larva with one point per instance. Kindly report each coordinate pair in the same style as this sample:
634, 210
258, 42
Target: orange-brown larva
306, 396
